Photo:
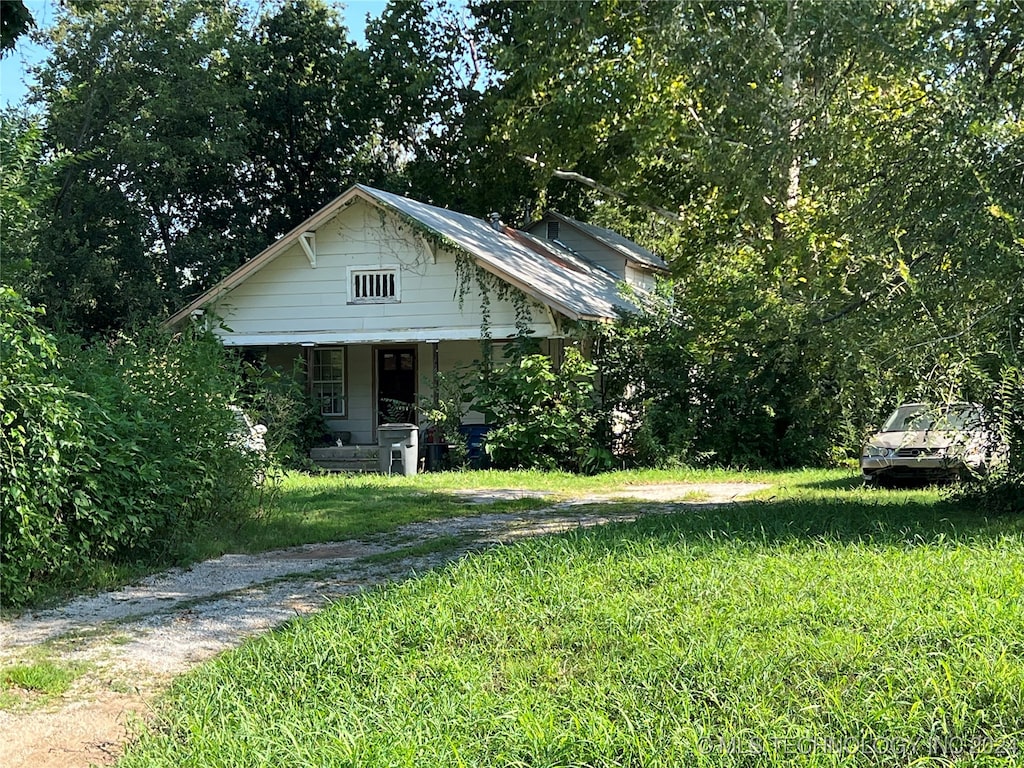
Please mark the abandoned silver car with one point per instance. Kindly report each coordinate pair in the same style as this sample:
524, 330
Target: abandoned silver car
931, 443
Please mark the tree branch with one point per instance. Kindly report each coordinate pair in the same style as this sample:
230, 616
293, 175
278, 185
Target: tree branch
866, 298
604, 189
1006, 56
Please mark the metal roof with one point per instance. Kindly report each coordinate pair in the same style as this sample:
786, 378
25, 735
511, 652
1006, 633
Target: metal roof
609, 237
555, 276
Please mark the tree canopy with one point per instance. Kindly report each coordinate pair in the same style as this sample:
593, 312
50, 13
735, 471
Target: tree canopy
836, 186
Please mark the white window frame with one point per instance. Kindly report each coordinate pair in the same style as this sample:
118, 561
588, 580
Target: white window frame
338, 386
390, 274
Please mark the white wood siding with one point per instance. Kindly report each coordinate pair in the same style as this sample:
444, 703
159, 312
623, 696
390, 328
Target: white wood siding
641, 279
288, 301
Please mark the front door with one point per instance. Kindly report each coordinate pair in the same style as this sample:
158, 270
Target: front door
396, 385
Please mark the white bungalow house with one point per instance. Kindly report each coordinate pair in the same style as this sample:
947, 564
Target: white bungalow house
377, 293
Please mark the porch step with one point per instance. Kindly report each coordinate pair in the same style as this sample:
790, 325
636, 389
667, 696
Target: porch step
346, 458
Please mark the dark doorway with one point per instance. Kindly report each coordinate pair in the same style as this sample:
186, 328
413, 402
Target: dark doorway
396, 385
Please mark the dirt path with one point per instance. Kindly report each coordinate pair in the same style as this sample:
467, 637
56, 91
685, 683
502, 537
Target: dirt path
136, 640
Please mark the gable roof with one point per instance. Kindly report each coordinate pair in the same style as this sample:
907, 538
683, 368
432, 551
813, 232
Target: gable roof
633, 252
546, 271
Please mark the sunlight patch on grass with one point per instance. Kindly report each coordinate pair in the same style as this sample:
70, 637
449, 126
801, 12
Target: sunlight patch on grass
36, 682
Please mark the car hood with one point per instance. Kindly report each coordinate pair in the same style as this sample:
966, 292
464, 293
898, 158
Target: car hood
921, 439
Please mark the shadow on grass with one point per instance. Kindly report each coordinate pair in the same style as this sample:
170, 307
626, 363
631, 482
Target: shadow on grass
835, 509
888, 520
836, 484
344, 512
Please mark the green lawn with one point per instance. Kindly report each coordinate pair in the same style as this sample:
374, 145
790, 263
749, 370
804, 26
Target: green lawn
307, 509
827, 626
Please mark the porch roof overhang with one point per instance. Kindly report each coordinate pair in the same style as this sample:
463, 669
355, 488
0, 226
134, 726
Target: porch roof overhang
559, 281
338, 338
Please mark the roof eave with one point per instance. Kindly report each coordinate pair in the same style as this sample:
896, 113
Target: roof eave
268, 254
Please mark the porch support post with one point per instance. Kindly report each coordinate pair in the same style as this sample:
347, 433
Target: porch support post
436, 370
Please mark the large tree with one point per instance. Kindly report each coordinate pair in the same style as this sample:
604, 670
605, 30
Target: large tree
436, 86
832, 182
140, 96
313, 112
24, 185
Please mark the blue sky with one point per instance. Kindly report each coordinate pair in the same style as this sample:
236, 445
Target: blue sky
14, 66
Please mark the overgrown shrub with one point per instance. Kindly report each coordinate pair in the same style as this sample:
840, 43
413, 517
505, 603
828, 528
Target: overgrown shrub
279, 400
165, 461
1002, 490
121, 450
445, 411
41, 440
544, 418
682, 401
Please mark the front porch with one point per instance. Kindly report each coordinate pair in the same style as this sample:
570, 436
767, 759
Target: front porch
429, 456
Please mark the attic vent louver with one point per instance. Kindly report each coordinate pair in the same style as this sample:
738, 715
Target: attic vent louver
373, 286
552, 230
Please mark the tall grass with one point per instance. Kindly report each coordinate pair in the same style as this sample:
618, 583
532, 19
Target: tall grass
869, 629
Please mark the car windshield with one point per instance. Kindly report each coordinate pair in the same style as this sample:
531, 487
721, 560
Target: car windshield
919, 418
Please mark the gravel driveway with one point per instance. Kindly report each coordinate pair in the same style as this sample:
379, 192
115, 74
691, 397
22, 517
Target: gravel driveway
137, 639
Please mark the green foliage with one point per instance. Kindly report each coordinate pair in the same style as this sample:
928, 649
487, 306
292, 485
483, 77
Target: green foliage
142, 217
425, 59
15, 21
162, 459
685, 394
446, 411
41, 439
278, 400
1002, 489
836, 188
123, 455
312, 108
542, 417
24, 186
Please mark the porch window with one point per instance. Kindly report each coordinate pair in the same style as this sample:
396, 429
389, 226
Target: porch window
327, 380
373, 286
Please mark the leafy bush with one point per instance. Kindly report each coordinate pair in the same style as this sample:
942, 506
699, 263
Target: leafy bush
164, 460
1002, 490
118, 451
544, 418
41, 440
293, 420
681, 400
446, 410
